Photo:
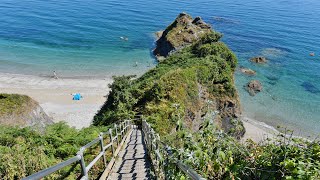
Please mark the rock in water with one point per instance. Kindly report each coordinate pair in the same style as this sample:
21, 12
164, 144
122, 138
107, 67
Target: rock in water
310, 87
254, 87
23, 111
259, 60
247, 71
182, 32
158, 34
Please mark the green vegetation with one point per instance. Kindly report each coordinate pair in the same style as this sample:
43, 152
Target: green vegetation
191, 101
216, 155
15, 104
25, 151
186, 86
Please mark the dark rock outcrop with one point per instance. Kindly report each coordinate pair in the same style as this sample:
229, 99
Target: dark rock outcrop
247, 71
259, 60
182, 32
22, 111
254, 87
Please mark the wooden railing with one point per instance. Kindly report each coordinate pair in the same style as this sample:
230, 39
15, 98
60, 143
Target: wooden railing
161, 155
116, 134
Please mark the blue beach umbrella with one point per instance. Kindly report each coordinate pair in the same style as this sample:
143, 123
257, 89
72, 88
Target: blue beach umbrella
77, 97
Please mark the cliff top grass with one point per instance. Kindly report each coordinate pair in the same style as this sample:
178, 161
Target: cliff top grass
15, 104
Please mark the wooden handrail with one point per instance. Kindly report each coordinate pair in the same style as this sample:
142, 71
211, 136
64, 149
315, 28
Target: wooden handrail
157, 154
79, 158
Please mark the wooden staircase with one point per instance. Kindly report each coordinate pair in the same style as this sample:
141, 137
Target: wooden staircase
133, 161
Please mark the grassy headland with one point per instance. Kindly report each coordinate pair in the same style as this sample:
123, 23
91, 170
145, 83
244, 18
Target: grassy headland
191, 100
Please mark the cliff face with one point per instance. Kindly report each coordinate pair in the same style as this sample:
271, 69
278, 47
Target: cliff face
22, 111
182, 32
191, 86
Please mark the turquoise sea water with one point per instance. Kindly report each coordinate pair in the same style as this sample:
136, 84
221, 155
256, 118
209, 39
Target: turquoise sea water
82, 38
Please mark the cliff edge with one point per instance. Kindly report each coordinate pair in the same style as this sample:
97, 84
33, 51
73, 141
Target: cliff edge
22, 111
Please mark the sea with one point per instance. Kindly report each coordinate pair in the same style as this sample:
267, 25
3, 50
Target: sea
103, 38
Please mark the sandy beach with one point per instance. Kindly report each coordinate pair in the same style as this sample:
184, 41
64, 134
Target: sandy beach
54, 95
257, 131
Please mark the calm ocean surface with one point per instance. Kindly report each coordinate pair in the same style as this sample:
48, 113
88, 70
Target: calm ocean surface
82, 38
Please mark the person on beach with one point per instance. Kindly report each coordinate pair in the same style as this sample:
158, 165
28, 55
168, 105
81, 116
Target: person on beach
55, 75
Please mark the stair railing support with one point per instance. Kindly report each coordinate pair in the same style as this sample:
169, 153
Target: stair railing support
116, 128
102, 150
111, 140
83, 165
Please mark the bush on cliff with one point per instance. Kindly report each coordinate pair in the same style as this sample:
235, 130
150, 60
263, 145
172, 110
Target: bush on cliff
216, 155
24, 151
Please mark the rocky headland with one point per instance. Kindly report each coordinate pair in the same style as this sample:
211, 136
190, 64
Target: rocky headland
182, 32
194, 82
22, 111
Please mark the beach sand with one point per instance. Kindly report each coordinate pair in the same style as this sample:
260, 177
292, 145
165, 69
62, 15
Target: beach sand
54, 95
257, 131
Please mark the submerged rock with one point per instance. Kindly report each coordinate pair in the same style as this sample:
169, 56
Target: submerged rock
247, 71
272, 78
225, 20
254, 87
273, 52
182, 32
310, 87
259, 60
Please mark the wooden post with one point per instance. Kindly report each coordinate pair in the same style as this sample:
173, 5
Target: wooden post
150, 137
111, 141
157, 147
101, 147
115, 126
125, 126
120, 128
83, 164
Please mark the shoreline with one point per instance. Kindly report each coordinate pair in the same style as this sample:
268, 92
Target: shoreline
257, 130
54, 95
